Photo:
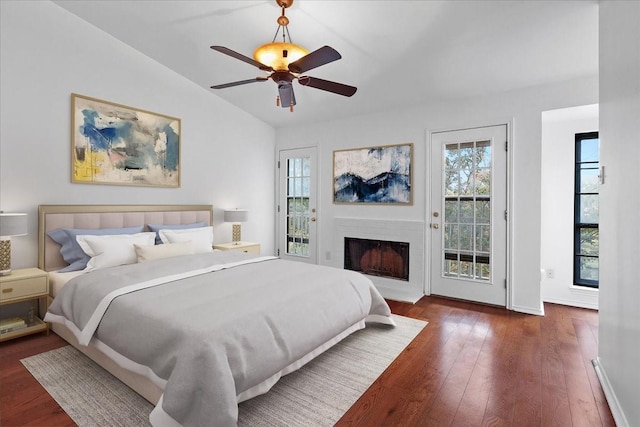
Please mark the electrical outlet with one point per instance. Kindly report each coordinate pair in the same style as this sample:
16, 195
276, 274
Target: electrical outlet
551, 273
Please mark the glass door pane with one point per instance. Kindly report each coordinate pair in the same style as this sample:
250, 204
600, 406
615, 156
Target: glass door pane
297, 206
467, 210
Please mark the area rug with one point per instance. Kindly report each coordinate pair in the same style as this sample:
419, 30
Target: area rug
318, 394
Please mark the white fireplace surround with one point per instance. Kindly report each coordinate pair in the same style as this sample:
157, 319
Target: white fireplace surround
411, 232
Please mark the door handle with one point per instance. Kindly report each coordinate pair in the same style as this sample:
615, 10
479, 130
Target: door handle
436, 226
313, 219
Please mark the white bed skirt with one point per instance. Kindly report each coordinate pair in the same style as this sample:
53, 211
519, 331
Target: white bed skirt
138, 382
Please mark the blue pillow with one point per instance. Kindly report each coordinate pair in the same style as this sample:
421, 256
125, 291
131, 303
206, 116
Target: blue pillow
158, 227
71, 251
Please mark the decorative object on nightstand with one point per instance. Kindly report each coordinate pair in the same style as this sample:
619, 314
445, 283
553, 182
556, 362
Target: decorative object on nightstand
247, 247
29, 285
236, 216
11, 225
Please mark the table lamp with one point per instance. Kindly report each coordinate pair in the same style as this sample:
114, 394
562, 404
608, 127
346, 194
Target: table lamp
236, 216
11, 225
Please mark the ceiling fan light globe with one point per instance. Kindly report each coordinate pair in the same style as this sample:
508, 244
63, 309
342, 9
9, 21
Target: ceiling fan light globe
279, 55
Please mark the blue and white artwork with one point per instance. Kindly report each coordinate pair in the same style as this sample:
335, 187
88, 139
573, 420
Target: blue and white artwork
116, 144
373, 175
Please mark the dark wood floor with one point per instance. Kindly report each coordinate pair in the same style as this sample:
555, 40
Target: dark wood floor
473, 365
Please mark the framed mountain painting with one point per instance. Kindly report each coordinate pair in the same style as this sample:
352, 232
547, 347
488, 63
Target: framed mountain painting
120, 145
373, 175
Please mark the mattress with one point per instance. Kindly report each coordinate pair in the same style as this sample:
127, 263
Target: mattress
57, 280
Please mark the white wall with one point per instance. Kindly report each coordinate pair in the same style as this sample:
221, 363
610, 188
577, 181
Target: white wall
48, 53
619, 330
559, 128
411, 125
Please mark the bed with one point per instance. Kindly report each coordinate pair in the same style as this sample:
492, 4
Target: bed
195, 333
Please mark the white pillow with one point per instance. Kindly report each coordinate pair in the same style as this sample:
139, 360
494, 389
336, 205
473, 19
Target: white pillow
113, 249
200, 238
148, 253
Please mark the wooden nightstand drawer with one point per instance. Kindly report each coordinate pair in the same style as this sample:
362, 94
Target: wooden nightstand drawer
247, 247
255, 249
15, 286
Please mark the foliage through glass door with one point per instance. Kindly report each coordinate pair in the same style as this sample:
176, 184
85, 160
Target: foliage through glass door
467, 213
298, 191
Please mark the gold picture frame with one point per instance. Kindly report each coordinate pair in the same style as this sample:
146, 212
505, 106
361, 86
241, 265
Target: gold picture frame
121, 145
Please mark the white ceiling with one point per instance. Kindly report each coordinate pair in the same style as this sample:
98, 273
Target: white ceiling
397, 53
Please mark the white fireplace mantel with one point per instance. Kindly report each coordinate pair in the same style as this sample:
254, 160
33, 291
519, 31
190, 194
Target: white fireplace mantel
412, 232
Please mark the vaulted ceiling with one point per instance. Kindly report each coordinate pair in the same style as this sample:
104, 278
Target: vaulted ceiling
397, 53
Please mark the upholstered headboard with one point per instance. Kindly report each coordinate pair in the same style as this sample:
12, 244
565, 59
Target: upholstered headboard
51, 217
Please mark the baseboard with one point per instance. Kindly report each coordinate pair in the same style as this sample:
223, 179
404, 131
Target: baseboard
612, 400
529, 310
572, 303
399, 295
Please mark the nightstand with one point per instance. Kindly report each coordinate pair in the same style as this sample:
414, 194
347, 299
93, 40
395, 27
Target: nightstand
248, 247
28, 284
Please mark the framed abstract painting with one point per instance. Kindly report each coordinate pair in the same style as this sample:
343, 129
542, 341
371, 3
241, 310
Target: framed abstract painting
120, 145
373, 175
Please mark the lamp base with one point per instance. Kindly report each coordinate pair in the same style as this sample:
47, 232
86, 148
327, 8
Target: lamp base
236, 233
5, 257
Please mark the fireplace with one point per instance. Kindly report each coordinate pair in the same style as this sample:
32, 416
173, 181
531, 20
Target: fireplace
377, 257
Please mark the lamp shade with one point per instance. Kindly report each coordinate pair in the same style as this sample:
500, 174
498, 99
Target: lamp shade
279, 55
13, 224
236, 215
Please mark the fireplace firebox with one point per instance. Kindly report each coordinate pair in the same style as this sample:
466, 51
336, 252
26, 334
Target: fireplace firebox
377, 257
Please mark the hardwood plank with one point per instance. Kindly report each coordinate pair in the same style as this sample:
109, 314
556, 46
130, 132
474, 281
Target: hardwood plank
588, 342
502, 398
447, 402
528, 404
581, 401
472, 407
23, 401
555, 400
411, 379
473, 365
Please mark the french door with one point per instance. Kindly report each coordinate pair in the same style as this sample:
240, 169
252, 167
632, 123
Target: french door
297, 217
468, 218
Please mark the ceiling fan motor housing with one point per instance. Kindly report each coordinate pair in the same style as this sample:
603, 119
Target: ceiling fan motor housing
282, 76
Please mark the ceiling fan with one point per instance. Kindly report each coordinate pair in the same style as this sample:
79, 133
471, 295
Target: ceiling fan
287, 62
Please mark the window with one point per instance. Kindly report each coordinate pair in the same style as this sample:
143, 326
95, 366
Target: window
586, 235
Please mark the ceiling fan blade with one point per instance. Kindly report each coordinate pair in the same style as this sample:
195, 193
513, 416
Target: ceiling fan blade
329, 86
287, 97
241, 82
322, 56
241, 57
